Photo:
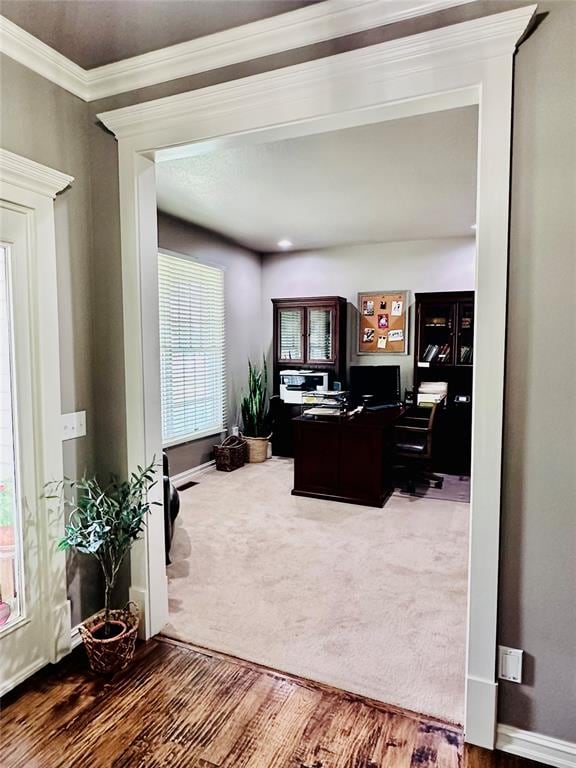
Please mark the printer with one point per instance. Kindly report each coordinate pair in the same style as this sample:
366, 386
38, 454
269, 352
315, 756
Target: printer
295, 384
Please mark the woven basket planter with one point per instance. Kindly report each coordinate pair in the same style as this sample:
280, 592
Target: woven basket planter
113, 654
257, 448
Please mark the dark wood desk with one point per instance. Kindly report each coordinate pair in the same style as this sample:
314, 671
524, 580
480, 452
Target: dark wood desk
347, 460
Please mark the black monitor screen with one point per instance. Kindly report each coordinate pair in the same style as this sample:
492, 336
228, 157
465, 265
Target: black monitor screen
380, 381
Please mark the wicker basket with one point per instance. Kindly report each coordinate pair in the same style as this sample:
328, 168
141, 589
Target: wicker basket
231, 454
257, 448
114, 654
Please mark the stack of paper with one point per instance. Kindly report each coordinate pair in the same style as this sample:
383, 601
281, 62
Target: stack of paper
432, 391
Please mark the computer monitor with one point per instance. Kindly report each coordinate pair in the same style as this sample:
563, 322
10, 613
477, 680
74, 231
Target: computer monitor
382, 382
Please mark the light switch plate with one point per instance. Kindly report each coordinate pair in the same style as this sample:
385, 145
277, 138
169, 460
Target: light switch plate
73, 425
510, 664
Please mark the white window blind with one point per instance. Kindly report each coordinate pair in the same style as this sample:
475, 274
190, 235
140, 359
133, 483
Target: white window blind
319, 334
192, 348
290, 334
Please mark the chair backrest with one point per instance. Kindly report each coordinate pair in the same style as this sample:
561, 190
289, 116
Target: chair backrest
419, 419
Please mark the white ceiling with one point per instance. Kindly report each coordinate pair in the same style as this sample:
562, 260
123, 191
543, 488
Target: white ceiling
410, 179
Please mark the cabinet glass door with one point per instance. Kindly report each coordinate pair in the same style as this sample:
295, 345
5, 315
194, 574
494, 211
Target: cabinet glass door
436, 334
290, 334
465, 333
320, 336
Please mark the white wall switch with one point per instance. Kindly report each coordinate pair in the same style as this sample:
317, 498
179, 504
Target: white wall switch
73, 425
510, 664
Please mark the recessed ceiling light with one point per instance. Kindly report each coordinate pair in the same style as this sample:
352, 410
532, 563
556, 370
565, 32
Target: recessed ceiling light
285, 244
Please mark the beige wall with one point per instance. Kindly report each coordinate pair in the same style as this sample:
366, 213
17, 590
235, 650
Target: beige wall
538, 529
41, 121
242, 287
418, 266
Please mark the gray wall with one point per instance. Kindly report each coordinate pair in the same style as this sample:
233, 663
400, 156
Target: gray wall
538, 517
424, 265
41, 121
538, 564
242, 288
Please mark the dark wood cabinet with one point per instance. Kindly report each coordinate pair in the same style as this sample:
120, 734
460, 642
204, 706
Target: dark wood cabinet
310, 332
349, 459
445, 352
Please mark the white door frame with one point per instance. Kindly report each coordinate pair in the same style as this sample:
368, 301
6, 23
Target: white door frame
467, 63
42, 634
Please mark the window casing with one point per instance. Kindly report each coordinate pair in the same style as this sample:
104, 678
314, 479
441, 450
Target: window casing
192, 348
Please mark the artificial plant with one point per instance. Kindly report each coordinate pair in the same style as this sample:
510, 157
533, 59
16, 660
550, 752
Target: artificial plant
105, 521
254, 405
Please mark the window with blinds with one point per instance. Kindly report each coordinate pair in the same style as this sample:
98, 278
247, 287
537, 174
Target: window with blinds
192, 349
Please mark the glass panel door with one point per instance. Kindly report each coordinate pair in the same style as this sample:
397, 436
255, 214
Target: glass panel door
10, 545
290, 333
436, 337
320, 336
465, 333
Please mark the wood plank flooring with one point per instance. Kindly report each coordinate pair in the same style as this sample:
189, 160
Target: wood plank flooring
176, 706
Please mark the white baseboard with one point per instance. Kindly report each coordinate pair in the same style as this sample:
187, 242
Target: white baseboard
76, 638
535, 746
191, 474
481, 696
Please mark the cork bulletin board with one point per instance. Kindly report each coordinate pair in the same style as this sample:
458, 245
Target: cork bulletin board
383, 323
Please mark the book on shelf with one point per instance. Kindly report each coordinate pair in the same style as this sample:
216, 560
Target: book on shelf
444, 354
436, 353
466, 354
430, 353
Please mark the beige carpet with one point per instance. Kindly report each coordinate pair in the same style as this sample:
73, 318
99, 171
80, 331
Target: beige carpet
372, 601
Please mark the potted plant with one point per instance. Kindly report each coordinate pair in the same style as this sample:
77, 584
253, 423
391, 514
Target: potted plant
255, 413
104, 522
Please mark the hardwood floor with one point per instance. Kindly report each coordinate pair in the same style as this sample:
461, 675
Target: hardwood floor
176, 706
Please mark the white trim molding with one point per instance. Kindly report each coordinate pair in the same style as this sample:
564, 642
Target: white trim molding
463, 64
486, 37
189, 475
32, 176
27, 50
287, 31
535, 746
27, 191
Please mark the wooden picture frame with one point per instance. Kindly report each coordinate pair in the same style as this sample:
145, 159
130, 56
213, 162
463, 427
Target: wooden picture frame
383, 322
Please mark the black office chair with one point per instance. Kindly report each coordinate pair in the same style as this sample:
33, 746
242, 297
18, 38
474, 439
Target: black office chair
413, 436
171, 507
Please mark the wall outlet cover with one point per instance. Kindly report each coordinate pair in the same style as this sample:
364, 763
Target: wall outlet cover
73, 425
510, 664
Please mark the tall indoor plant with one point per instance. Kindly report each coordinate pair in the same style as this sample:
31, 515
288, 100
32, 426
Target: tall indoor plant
104, 522
255, 413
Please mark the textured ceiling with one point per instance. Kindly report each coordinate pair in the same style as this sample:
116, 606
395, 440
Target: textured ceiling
407, 179
96, 32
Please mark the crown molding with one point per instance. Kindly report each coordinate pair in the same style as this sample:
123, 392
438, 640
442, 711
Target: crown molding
314, 24
40, 58
535, 746
295, 29
482, 38
27, 174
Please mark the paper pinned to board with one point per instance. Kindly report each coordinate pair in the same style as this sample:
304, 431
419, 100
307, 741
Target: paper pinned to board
396, 335
382, 342
397, 308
